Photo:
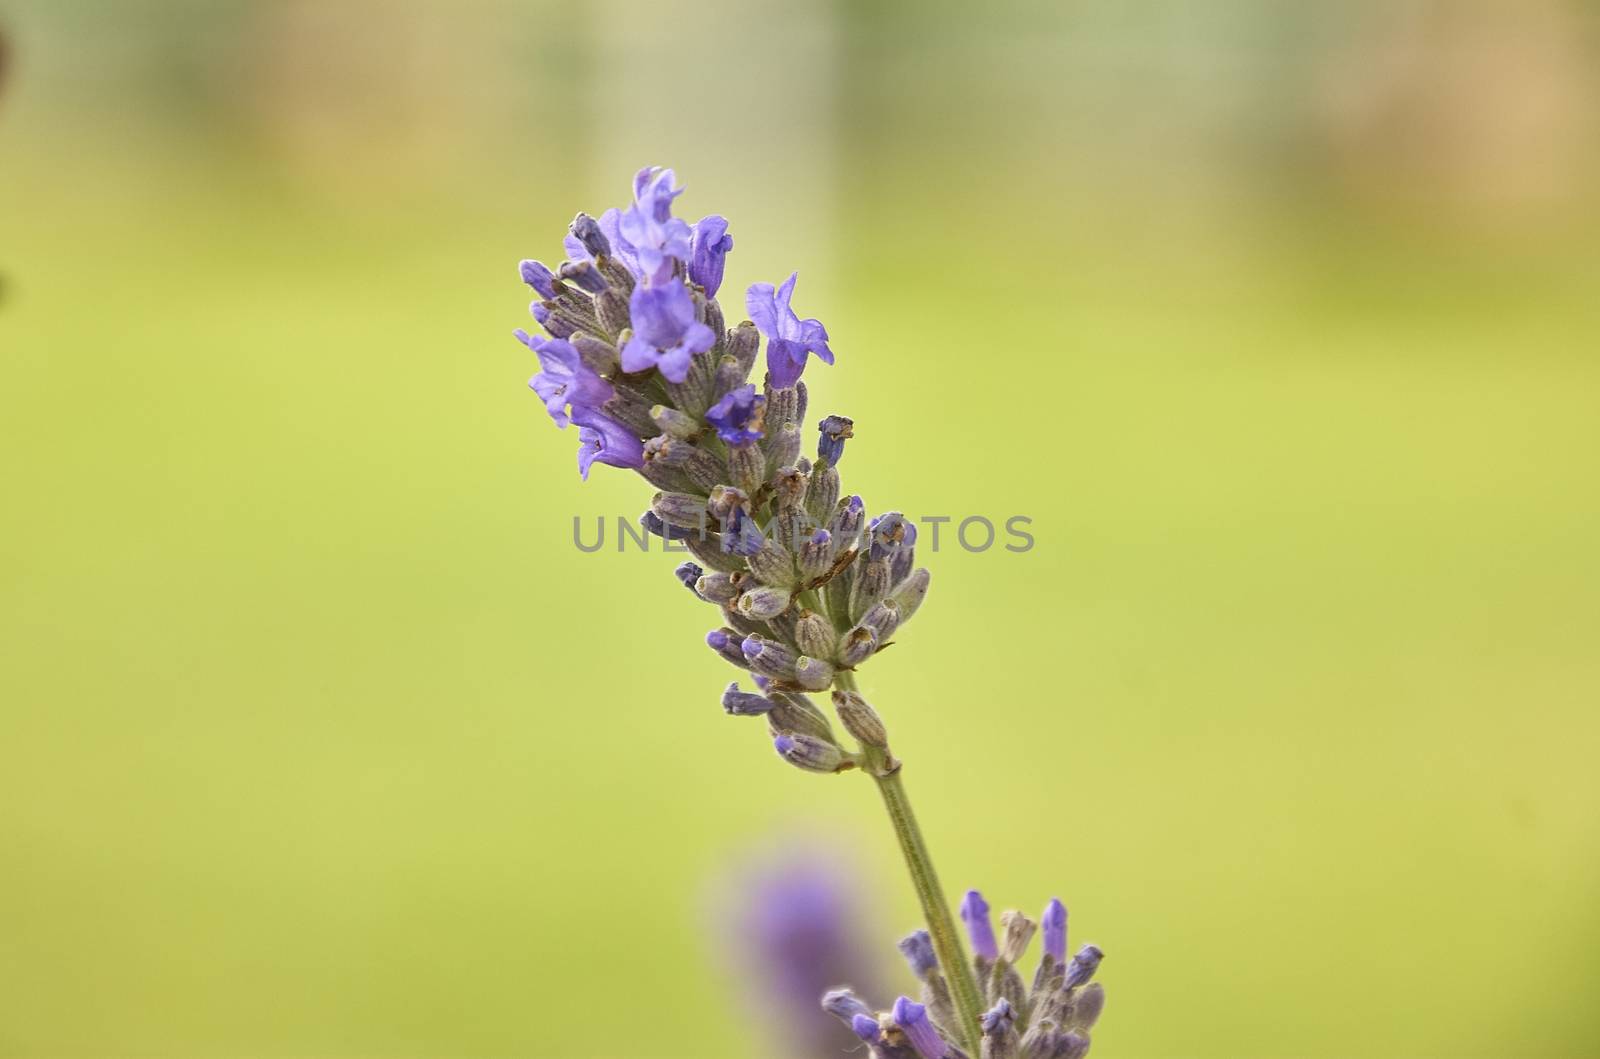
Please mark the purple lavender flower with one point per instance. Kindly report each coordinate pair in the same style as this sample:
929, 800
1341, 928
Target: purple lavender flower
708, 251
789, 338
656, 236
913, 1019
665, 333
833, 431
975, 914
540, 278
604, 440
738, 416
564, 379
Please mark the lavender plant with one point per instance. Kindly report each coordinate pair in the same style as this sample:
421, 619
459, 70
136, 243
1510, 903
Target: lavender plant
639, 356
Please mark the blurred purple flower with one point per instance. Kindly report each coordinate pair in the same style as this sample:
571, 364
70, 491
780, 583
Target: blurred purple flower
791, 923
665, 333
604, 440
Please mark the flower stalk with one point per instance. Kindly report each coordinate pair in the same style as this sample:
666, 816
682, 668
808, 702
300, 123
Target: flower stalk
639, 356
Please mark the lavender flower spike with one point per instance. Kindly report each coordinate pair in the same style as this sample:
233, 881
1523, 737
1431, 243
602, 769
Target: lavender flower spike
975, 914
708, 249
913, 1019
789, 338
665, 333
604, 440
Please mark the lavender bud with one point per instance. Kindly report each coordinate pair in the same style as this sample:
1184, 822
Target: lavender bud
718, 587
1083, 966
1087, 1005
782, 405
673, 422
816, 555
743, 704
768, 657
866, 1027
794, 712
783, 446
686, 510
860, 720
1018, 931
552, 319
909, 594
890, 534
789, 489
999, 1031
857, 647
598, 355
693, 394
917, 948
883, 619
587, 231
847, 520
703, 469
912, 1018
689, 574
616, 274
743, 344
747, 466
1053, 923
815, 635
707, 547
813, 674
844, 1005
727, 377
870, 588
808, 752
654, 526
975, 914
742, 535
611, 313
540, 278
772, 565
725, 501
1070, 1045
583, 275
726, 643
822, 495
834, 430
764, 602
631, 414
665, 451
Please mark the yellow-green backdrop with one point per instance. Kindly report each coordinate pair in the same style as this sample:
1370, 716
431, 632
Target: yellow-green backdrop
319, 738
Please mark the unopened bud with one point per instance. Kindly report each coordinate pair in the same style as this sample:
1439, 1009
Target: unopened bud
773, 565
686, 510
763, 602
808, 752
719, 587
815, 635
857, 647
583, 275
743, 703
1018, 931
671, 421
860, 720
910, 593
611, 311
813, 674
1086, 1007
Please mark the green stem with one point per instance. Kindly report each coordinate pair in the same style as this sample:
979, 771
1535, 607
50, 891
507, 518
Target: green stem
941, 927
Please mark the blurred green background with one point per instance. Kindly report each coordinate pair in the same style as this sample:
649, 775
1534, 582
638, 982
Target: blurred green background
319, 738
